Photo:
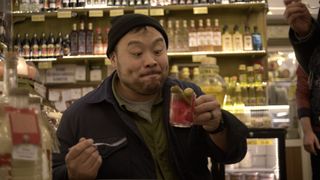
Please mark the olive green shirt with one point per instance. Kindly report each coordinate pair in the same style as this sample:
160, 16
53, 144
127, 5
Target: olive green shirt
148, 118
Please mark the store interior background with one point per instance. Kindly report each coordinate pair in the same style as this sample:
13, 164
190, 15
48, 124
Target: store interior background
279, 68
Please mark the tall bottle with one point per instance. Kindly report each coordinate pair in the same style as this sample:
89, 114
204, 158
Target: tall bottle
17, 45
237, 39
193, 37
185, 74
66, 45
34, 47
256, 39
98, 44
247, 39
226, 39
201, 35
26, 46
174, 71
82, 39
74, 40
177, 36
209, 43
65, 3
43, 46
89, 39
72, 3
81, 3
58, 45
51, 46
242, 75
52, 5
217, 44
170, 31
184, 36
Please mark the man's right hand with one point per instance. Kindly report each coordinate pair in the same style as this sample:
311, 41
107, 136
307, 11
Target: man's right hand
311, 143
298, 17
83, 160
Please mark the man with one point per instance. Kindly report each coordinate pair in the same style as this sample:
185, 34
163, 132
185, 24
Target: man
304, 35
133, 103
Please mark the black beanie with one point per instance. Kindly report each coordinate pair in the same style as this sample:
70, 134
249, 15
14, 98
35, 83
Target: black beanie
121, 25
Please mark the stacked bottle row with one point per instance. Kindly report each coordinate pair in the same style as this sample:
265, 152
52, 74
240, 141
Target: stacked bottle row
248, 88
201, 35
52, 5
78, 42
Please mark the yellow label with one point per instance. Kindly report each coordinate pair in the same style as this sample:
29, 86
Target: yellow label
96, 13
141, 11
157, 12
116, 12
197, 58
259, 141
64, 14
45, 65
200, 10
37, 18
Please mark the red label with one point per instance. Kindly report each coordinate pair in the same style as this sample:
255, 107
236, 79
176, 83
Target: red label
24, 126
5, 160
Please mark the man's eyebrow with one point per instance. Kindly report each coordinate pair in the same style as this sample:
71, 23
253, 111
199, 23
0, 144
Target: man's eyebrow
157, 40
134, 43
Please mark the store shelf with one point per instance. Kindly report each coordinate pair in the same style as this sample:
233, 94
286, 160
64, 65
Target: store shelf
250, 170
234, 6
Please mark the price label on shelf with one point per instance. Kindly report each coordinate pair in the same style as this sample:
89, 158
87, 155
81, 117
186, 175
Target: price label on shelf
37, 18
96, 13
141, 11
157, 12
200, 10
197, 58
116, 12
45, 65
260, 141
64, 14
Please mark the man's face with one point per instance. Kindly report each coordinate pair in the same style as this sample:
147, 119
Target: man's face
140, 58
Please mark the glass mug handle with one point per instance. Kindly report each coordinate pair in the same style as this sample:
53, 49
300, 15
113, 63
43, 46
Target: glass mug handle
313, 4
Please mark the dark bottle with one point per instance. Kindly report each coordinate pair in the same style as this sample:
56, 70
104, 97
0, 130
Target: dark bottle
26, 47
73, 3
74, 40
82, 39
2, 31
58, 46
17, 46
43, 46
34, 47
66, 45
89, 39
65, 3
52, 5
81, 3
256, 39
51, 46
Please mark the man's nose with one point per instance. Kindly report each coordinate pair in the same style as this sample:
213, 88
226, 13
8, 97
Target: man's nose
150, 60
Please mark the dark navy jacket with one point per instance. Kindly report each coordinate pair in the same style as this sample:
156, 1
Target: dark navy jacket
98, 116
308, 55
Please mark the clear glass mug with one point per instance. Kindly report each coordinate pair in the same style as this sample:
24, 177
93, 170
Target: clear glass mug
182, 108
312, 4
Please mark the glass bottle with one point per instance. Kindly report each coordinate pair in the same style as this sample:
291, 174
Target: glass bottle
73, 3
217, 44
26, 46
98, 45
247, 39
209, 43
174, 72
170, 31
58, 45
196, 78
65, 3
226, 40
81, 3
193, 37
242, 75
51, 46
66, 45
89, 39
185, 75
82, 39
184, 36
250, 76
74, 40
43, 46
17, 45
201, 36
258, 74
34, 47
211, 82
177, 36
256, 39
237, 39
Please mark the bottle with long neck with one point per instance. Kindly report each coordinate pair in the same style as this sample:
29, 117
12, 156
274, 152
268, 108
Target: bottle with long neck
247, 39
237, 39
226, 40
74, 40
217, 44
193, 37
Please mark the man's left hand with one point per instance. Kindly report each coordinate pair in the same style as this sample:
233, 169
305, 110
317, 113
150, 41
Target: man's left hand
207, 112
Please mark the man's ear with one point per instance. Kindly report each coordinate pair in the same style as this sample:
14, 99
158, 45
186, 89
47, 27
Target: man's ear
113, 60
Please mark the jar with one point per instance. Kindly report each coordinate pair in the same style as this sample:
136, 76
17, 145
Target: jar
210, 80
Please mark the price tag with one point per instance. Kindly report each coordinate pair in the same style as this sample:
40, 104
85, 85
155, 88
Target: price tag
96, 13
200, 10
157, 12
141, 11
37, 18
197, 58
116, 12
45, 65
64, 14
260, 142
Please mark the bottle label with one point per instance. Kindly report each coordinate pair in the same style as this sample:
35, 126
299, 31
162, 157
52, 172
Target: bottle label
26, 50
193, 42
58, 50
247, 43
50, 50
25, 133
227, 43
257, 41
217, 38
35, 51
44, 52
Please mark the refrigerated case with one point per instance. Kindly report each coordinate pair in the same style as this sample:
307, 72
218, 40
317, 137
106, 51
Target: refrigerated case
265, 158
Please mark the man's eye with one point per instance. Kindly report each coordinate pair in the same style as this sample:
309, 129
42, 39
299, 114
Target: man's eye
158, 52
137, 54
